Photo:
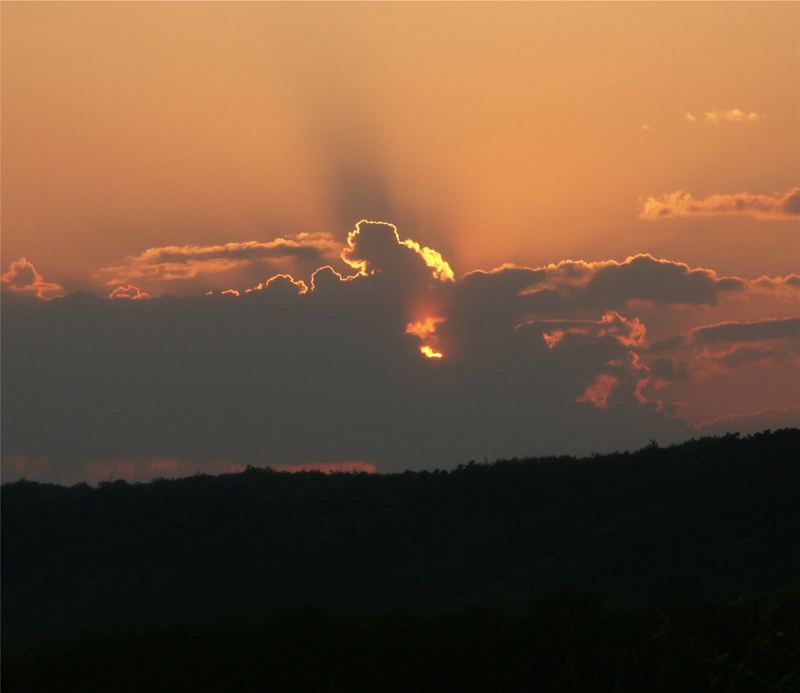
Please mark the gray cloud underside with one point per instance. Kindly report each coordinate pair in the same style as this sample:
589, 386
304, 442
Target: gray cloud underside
288, 378
277, 377
749, 331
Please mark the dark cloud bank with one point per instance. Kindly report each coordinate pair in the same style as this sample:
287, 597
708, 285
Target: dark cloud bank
534, 361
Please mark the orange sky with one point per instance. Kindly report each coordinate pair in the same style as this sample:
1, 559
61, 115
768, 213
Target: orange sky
630, 172
493, 132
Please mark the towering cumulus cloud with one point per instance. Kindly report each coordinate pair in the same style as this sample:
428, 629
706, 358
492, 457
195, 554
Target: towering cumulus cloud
383, 359
375, 247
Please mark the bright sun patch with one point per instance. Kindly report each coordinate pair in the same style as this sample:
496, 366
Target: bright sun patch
429, 352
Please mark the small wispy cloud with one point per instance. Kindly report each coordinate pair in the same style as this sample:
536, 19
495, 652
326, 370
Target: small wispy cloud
731, 115
681, 204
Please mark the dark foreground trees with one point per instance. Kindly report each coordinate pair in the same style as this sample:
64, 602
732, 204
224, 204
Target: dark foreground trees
688, 554
565, 643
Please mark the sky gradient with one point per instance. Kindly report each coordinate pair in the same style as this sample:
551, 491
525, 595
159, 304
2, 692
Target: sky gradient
589, 231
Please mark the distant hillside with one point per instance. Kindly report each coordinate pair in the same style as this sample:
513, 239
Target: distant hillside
706, 521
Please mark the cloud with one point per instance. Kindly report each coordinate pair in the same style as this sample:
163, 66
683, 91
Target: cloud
731, 331
599, 391
576, 287
746, 365
375, 247
22, 277
682, 204
425, 331
286, 376
542, 360
732, 115
285, 283
628, 332
170, 263
757, 354
129, 292
788, 284
756, 331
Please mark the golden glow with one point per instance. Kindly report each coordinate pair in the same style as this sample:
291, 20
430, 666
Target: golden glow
441, 269
424, 328
429, 352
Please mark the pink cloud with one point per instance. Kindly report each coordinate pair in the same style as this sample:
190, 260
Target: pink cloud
599, 392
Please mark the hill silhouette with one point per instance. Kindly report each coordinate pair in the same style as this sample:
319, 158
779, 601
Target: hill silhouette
697, 525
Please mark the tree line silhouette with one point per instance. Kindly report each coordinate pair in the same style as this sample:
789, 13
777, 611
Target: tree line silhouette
673, 566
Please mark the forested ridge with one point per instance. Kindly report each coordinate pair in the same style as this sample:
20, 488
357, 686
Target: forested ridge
624, 547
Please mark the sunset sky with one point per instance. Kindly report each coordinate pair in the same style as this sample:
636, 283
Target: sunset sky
592, 216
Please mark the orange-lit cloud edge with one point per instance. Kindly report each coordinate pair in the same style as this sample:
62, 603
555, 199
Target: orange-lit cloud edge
170, 263
176, 263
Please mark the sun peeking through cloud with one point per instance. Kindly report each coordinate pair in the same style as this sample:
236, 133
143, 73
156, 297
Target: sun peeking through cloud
425, 330
375, 248
428, 351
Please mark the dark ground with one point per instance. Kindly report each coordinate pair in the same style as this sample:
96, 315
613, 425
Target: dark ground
669, 569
